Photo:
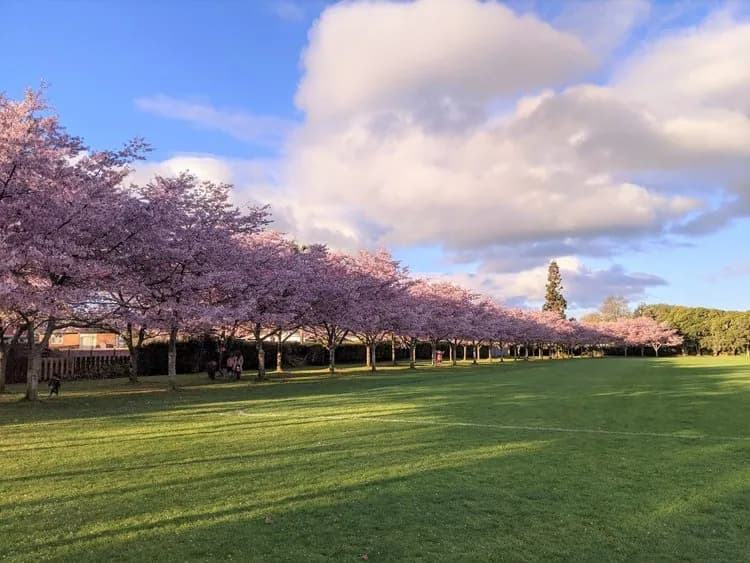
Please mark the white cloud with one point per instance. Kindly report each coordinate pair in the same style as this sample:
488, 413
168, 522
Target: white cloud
430, 55
408, 147
259, 129
707, 66
206, 167
460, 124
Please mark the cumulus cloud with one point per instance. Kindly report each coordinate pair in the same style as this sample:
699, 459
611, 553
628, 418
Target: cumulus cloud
431, 55
464, 125
254, 179
418, 145
259, 129
702, 66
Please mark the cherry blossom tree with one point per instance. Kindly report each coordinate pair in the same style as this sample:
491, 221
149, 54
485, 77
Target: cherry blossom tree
304, 263
444, 304
379, 282
58, 219
333, 300
270, 293
414, 311
191, 249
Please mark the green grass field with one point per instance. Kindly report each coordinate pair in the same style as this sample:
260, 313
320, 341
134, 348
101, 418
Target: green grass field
576, 460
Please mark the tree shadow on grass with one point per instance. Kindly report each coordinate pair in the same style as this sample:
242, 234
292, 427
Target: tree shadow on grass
522, 505
118, 398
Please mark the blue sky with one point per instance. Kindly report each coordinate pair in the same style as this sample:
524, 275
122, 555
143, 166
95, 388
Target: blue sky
219, 79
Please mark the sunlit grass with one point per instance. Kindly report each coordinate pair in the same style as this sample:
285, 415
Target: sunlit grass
469, 464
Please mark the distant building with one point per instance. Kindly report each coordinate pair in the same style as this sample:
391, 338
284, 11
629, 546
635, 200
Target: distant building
85, 339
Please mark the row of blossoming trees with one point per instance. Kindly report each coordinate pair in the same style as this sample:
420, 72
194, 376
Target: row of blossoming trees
83, 247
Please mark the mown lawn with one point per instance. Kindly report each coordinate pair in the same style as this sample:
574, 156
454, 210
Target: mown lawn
502, 462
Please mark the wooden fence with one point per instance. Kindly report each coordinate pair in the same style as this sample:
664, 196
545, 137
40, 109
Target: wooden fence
68, 364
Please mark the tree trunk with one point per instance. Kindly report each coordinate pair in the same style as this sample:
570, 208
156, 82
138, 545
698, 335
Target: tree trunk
643, 352
526, 352
133, 351
332, 357
453, 352
172, 358
33, 370
279, 358
433, 343
413, 355
368, 356
261, 359
5, 351
463, 356
393, 350
541, 352
475, 355
656, 350
3, 366
625, 348
373, 347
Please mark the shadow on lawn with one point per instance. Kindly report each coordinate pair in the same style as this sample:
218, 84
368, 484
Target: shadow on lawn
229, 503
117, 398
339, 489
601, 383
533, 502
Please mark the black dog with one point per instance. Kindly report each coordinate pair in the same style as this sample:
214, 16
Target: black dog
54, 385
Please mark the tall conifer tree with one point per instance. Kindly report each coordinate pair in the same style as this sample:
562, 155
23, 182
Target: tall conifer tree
553, 299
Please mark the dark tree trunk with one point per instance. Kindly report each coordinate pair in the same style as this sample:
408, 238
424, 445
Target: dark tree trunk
134, 348
3, 367
332, 357
35, 360
172, 358
5, 351
279, 358
261, 359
